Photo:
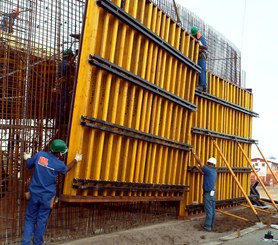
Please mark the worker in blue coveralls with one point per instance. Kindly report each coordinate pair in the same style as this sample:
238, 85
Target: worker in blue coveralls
202, 85
8, 20
210, 177
65, 87
42, 188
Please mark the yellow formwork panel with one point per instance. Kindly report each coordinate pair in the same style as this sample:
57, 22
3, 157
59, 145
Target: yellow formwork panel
108, 97
224, 119
104, 96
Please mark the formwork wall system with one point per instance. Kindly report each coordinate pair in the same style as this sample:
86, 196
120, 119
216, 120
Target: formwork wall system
134, 115
133, 102
225, 116
119, 115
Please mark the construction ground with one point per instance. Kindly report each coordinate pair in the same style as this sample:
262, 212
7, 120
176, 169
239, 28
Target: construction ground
228, 230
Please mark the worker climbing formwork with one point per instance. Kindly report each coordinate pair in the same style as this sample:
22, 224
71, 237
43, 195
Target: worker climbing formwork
202, 81
64, 90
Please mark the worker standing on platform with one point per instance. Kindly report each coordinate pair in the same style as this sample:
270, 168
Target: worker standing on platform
8, 20
210, 177
42, 188
202, 85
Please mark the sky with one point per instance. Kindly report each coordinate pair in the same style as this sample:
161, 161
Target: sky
251, 26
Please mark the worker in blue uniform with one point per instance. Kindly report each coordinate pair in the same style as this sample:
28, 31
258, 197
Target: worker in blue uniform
42, 188
202, 85
209, 199
64, 88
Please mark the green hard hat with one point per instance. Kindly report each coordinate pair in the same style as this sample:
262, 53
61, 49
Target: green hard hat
59, 146
194, 30
67, 52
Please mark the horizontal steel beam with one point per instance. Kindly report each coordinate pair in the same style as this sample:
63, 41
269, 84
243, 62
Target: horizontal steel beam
135, 24
132, 133
140, 82
226, 103
102, 199
215, 134
193, 169
227, 202
84, 184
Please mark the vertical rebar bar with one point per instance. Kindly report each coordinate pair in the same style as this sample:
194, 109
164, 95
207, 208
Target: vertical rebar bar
25, 108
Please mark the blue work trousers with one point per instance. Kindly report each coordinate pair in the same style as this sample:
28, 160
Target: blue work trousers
37, 214
209, 205
202, 74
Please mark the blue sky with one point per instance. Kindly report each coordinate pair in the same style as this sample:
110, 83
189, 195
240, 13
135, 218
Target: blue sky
251, 26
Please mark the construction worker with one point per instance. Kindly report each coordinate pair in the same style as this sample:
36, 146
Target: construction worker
4, 176
42, 188
67, 63
64, 88
8, 20
202, 85
210, 177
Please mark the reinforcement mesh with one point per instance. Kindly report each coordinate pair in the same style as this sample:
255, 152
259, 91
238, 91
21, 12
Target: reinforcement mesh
224, 58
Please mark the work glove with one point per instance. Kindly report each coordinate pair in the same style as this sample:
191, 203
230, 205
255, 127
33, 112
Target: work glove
200, 43
78, 157
26, 155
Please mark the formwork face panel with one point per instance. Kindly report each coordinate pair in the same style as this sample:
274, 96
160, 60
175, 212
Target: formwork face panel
224, 116
133, 104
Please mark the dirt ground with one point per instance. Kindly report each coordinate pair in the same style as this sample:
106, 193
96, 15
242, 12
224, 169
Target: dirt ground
183, 232
190, 232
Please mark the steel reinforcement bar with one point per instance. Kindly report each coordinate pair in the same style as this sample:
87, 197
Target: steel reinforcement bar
132, 22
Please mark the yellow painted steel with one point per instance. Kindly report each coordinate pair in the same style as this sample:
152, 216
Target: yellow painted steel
231, 215
258, 209
236, 179
105, 96
83, 91
220, 118
126, 92
113, 99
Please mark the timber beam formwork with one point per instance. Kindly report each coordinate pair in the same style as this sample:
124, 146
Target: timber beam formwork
135, 97
140, 113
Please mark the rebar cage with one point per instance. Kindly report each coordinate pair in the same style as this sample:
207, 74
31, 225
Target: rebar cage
36, 87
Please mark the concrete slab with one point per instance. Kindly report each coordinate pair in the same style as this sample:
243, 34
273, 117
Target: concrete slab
255, 237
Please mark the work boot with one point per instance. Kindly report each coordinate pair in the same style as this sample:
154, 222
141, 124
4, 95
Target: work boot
206, 229
200, 88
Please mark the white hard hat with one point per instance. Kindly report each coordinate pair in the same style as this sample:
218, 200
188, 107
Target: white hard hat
212, 160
